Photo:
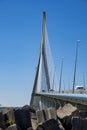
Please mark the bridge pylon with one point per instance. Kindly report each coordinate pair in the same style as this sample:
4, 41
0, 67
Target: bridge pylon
42, 79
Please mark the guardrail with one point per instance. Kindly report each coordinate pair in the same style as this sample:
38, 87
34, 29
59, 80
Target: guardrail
74, 98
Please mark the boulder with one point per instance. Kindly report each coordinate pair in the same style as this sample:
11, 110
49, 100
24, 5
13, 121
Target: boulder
83, 114
34, 123
79, 123
2, 122
66, 110
60, 125
10, 113
1, 129
51, 113
12, 127
23, 117
33, 120
9, 118
51, 124
30, 128
66, 122
41, 117
65, 115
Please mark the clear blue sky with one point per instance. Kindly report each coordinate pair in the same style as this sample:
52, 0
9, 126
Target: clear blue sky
20, 33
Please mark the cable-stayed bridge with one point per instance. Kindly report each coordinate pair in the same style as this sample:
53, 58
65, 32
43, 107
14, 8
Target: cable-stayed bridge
44, 93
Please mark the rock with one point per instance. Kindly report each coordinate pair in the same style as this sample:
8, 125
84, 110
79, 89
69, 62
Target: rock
6, 117
41, 117
66, 121
60, 125
2, 122
10, 113
46, 117
66, 110
30, 128
34, 123
51, 113
1, 129
27, 107
79, 124
83, 114
9, 118
12, 127
23, 117
51, 124
65, 115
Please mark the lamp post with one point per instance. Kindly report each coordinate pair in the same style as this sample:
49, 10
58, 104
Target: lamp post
74, 79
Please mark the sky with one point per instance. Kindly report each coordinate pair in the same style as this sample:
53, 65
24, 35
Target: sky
20, 34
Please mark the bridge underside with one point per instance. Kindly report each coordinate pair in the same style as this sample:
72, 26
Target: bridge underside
48, 100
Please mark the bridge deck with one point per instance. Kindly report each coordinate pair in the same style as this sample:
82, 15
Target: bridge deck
75, 98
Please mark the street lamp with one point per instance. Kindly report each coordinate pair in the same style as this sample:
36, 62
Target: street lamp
74, 79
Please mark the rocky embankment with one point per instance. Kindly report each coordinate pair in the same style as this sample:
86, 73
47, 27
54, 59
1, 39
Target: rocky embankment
67, 117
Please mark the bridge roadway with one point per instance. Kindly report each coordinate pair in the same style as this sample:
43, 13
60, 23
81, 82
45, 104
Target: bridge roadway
77, 99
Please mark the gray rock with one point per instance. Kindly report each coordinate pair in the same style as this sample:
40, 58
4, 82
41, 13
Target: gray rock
79, 124
1, 129
23, 117
65, 114
41, 117
66, 110
30, 128
2, 123
49, 125
34, 123
12, 127
51, 113
9, 118
60, 125
83, 114
66, 122
33, 120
